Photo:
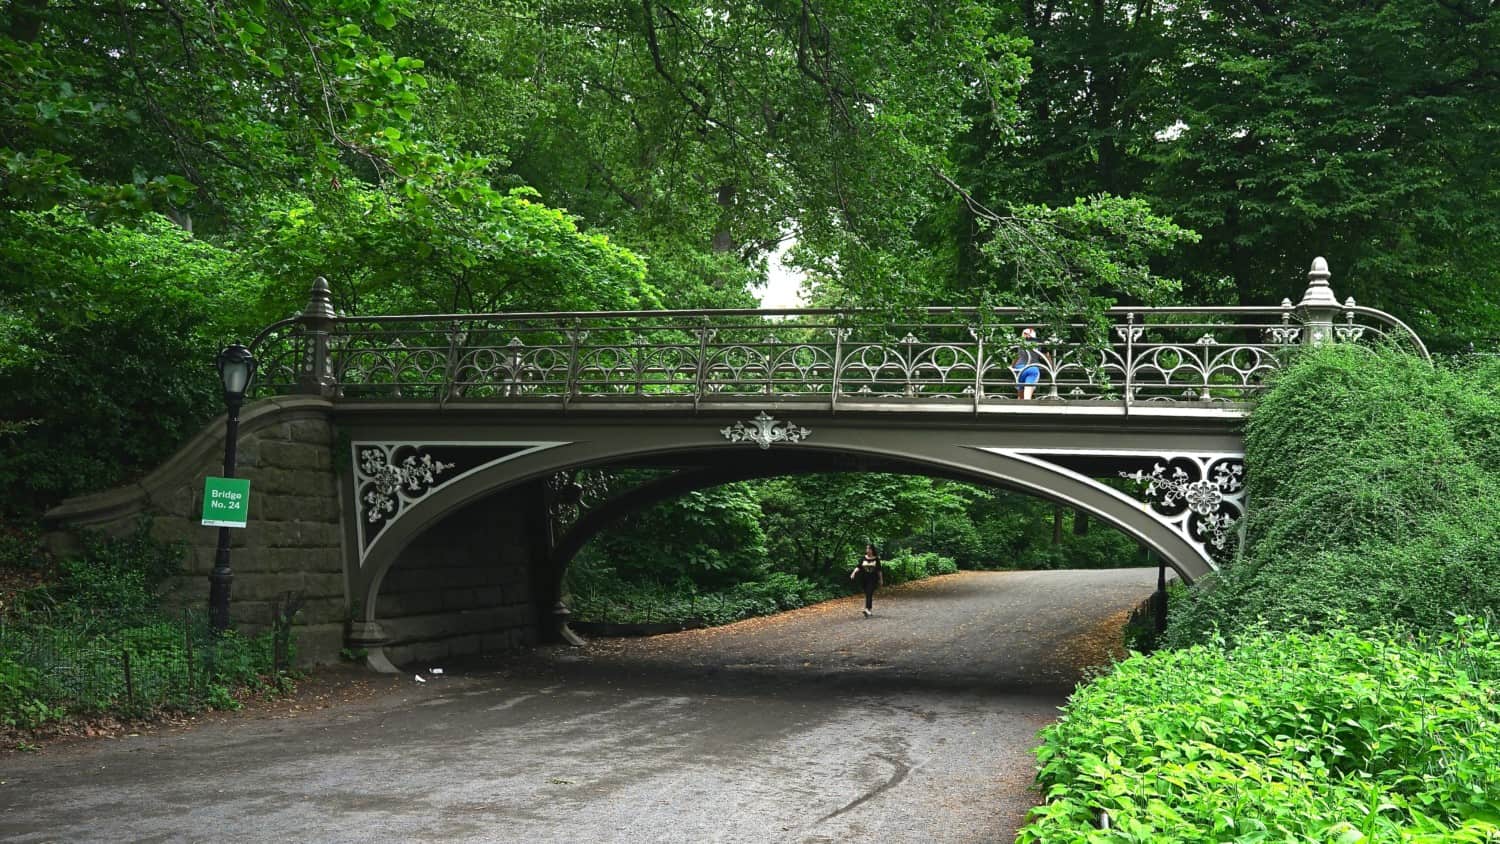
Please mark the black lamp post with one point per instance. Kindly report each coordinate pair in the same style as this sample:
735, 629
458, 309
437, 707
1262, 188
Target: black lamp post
1159, 600
236, 369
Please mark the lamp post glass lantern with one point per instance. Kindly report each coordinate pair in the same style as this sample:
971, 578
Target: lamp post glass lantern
236, 368
236, 371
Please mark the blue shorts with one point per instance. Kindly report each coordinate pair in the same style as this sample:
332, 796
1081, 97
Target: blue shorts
1029, 375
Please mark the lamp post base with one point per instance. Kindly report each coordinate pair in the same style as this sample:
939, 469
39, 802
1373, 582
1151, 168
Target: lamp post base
219, 583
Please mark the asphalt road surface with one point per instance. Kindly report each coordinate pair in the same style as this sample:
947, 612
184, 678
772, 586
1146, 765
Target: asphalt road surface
817, 725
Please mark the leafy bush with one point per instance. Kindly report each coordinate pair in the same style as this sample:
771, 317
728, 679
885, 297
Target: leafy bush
72, 663
596, 600
1016, 532
711, 538
1375, 480
1334, 736
1140, 628
20, 546
19, 704
95, 641
117, 574
112, 366
905, 567
601, 596
817, 525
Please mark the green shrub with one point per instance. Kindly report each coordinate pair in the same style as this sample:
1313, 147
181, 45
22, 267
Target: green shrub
95, 641
906, 566
74, 663
117, 371
117, 575
1375, 498
712, 537
1016, 532
1334, 736
609, 600
21, 546
20, 704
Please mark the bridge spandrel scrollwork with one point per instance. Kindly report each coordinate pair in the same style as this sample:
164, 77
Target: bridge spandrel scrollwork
944, 358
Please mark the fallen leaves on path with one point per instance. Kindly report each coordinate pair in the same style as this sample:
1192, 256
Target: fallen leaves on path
1097, 648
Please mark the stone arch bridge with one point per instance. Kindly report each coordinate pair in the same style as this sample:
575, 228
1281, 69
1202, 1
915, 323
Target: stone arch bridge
422, 481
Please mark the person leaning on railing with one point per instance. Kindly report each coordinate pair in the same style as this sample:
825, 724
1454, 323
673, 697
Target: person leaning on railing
1028, 365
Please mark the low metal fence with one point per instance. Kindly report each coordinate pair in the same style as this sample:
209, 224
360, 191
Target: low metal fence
128, 663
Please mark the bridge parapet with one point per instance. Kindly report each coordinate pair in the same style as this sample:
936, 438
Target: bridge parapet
942, 358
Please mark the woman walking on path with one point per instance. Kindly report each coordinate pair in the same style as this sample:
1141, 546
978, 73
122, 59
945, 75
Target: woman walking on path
868, 573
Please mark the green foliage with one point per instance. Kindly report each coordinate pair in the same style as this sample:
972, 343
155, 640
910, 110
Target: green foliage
596, 596
697, 130
94, 640
79, 662
1016, 531
595, 599
818, 524
1336, 736
121, 329
117, 574
383, 253
21, 547
706, 134
19, 705
711, 538
1140, 628
906, 566
1278, 132
188, 110
1081, 259
1376, 499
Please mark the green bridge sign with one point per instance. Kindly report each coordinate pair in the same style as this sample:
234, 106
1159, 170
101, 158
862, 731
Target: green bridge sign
226, 502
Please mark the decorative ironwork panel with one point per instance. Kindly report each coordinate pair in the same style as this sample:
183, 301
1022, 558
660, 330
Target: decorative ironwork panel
573, 493
1201, 496
391, 477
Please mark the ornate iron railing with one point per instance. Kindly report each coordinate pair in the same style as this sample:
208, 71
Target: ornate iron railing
953, 357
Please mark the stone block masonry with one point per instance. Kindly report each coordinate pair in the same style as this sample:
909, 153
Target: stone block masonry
293, 541
465, 585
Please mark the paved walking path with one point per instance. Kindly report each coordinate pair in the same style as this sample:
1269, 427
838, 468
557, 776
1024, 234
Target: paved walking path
812, 726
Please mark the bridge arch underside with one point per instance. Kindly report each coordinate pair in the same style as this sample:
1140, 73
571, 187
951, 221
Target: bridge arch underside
716, 468
500, 500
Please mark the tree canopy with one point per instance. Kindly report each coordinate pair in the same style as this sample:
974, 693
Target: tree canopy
1364, 133
556, 154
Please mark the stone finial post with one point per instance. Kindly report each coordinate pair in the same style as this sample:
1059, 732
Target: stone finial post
1318, 307
316, 323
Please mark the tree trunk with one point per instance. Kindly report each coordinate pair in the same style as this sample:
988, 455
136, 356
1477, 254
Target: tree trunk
26, 19
723, 240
